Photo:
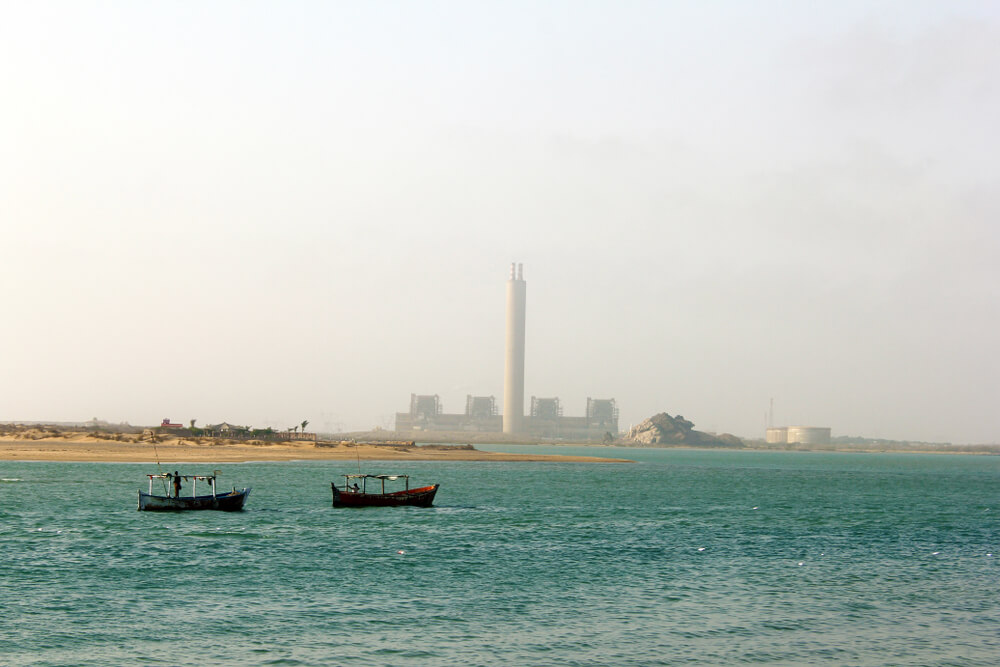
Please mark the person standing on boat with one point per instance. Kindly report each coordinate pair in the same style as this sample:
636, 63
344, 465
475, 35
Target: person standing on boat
177, 485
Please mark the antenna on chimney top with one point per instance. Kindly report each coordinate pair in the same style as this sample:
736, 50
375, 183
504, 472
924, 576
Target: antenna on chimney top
512, 270
520, 271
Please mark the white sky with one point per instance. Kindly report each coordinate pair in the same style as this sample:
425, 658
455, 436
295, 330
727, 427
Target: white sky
264, 212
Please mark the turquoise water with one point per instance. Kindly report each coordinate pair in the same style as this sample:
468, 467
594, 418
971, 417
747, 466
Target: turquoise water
682, 558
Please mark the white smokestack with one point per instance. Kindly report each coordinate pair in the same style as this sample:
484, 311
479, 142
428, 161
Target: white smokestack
513, 375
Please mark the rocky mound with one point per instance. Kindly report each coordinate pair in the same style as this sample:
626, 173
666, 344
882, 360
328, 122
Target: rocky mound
662, 429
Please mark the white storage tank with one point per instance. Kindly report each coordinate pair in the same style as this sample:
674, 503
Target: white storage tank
777, 435
809, 435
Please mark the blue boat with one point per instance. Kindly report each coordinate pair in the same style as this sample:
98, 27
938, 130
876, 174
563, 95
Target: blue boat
228, 501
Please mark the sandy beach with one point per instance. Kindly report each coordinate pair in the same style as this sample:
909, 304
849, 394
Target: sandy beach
83, 447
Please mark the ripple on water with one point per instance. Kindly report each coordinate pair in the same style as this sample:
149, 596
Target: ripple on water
719, 558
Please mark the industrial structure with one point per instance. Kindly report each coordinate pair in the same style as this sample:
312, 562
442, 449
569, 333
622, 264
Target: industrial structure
545, 419
426, 414
513, 367
794, 435
803, 435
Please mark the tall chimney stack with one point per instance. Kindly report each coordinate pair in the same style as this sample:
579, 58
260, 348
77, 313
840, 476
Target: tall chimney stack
513, 374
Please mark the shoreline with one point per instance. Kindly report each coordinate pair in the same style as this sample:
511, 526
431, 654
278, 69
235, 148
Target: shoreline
959, 450
87, 449
80, 446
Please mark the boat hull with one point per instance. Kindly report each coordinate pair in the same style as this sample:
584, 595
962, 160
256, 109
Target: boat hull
421, 497
226, 502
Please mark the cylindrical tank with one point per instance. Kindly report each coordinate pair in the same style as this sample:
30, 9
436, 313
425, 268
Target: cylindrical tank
777, 435
809, 435
513, 374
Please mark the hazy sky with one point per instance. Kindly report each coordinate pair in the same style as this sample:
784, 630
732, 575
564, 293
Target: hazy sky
264, 212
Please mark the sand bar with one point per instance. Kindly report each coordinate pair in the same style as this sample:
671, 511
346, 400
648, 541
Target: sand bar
86, 448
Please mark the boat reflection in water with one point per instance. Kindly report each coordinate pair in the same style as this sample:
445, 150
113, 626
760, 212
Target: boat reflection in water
227, 501
355, 495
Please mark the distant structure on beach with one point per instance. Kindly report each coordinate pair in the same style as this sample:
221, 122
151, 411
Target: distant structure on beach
546, 419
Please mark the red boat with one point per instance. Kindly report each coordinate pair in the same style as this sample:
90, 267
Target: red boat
353, 495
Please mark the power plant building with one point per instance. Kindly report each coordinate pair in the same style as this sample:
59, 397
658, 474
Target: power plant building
426, 414
545, 420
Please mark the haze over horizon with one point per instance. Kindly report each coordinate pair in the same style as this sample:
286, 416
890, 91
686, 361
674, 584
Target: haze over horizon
263, 212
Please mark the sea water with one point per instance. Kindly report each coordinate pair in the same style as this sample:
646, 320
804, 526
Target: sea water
680, 558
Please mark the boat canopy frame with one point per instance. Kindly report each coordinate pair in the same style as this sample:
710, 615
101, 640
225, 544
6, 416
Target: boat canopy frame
191, 478
364, 481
